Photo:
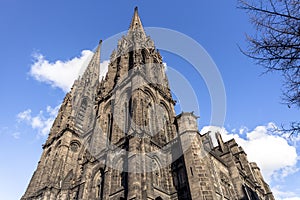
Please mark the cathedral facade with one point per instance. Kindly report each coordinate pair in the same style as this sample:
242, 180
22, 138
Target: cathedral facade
119, 138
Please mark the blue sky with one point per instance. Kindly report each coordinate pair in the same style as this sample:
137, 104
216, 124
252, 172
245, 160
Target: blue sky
38, 34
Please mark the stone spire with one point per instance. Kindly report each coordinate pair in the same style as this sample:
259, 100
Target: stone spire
136, 52
92, 72
136, 23
84, 92
90, 77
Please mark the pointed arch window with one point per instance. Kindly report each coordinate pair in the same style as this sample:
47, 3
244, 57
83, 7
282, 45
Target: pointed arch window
151, 119
165, 127
163, 121
118, 176
144, 56
126, 118
99, 185
109, 126
156, 173
81, 112
131, 109
130, 61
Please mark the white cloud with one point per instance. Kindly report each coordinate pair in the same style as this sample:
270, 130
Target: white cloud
276, 158
41, 122
284, 172
24, 116
271, 151
243, 130
61, 74
280, 194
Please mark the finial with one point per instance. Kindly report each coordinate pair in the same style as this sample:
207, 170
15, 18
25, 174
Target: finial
136, 9
100, 42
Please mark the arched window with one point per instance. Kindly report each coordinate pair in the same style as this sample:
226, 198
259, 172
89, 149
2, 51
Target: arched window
81, 113
116, 179
144, 56
99, 186
131, 110
126, 118
163, 121
109, 126
165, 127
156, 173
130, 61
151, 118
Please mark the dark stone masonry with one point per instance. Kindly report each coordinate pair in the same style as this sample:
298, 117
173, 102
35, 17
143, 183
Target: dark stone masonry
119, 138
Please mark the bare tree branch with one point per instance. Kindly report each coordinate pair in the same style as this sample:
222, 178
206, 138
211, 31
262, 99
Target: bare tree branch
276, 44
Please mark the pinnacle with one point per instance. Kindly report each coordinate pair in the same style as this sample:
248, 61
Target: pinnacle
136, 23
97, 52
93, 68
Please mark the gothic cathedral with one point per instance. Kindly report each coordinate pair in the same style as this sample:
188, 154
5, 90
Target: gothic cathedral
119, 138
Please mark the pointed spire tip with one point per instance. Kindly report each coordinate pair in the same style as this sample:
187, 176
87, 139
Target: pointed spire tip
136, 21
100, 41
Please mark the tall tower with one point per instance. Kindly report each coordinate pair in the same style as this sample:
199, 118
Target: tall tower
59, 162
120, 138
